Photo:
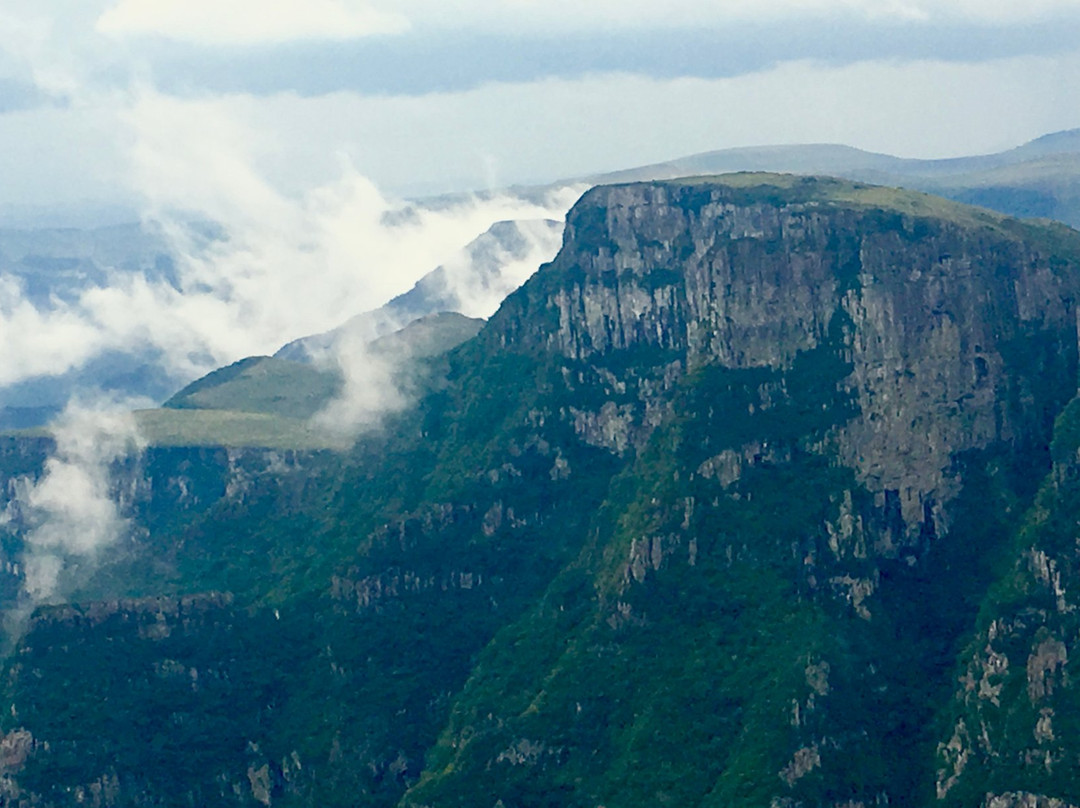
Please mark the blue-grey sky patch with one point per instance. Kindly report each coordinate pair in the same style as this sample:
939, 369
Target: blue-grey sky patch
430, 61
18, 95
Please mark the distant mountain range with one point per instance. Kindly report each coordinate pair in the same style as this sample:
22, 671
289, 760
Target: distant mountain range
1038, 179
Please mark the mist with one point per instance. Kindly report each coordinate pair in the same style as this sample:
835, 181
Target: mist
69, 513
286, 264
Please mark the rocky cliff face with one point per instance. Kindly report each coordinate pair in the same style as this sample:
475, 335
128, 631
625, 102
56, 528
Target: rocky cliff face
156, 491
1013, 716
708, 514
952, 324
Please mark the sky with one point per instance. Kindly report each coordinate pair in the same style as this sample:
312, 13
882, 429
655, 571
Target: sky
427, 96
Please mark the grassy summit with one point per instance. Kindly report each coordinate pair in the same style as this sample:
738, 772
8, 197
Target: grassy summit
269, 402
261, 384
787, 189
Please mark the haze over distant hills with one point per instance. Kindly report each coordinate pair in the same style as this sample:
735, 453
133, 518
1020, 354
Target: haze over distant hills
1038, 179
48, 267
473, 283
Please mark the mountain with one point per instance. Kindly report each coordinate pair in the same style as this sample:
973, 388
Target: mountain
267, 402
55, 266
59, 263
260, 384
835, 159
1038, 179
1065, 142
752, 496
472, 283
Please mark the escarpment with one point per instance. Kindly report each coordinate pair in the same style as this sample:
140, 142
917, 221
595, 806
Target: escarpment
959, 326
735, 502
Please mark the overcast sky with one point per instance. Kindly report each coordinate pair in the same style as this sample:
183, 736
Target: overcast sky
434, 95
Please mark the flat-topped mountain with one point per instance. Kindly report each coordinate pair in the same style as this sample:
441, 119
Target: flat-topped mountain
1040, 178
746, 498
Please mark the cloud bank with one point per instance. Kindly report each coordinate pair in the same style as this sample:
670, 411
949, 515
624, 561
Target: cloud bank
284, 264
308, 239
243, 22
289, 264
247, 22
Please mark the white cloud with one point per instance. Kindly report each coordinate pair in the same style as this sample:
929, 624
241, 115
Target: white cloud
292, 262
248, 22
306, 252
70, 510
481, 280
245, 22
369, 391
41, 342
601, 15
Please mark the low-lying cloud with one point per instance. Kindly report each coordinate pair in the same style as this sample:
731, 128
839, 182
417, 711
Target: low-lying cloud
478, 278
70, 515
283, 265
288, 264
370, 390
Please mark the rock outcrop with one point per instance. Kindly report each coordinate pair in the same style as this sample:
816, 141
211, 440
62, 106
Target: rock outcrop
952, 323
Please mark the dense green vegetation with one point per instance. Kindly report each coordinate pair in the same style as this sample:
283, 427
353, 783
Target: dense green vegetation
577, 575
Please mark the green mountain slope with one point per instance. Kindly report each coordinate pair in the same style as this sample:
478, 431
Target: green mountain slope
268, 402
708, 514
1011, 730
749, 635
260, 384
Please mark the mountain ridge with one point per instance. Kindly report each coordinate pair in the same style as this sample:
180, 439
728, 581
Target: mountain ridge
1037, 179
690, 522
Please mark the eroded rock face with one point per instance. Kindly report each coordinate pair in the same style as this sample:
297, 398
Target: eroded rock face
1014, 736
147, 488
1023, 799
950, 328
